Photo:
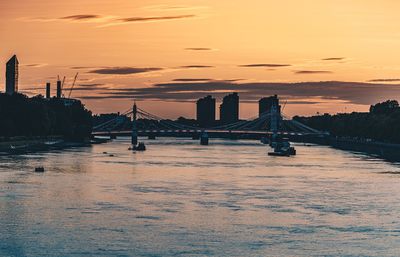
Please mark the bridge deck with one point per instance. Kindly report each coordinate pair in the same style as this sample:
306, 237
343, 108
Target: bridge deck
211, 131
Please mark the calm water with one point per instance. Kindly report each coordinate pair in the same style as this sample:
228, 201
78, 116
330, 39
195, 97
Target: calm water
182, 199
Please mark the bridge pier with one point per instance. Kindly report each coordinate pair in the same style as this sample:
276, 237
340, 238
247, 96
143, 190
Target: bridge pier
204, 138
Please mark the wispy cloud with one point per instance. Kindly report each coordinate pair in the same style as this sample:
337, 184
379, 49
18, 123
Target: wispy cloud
334, 59
122, 70
191, 80
91, 87
195, 67
81, 67
312, 72
173, 7
204, 80
198, 49
264, 65
155, 18
384, 80
81, 17
106, 21
35, 65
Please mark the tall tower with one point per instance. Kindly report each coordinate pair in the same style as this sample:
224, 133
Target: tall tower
48, 85
265, 105
12, 75
229, 109
206, 111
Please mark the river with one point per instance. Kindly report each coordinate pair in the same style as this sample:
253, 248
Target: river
182, 199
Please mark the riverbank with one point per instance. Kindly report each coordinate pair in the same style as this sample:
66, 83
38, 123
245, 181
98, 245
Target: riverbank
383, 150
387, 151
21, 145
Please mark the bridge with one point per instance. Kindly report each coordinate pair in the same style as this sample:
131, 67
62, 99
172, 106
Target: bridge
268, 125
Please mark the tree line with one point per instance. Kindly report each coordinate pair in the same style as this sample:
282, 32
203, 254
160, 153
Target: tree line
381, 123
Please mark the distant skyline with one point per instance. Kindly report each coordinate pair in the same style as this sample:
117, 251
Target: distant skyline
318, 55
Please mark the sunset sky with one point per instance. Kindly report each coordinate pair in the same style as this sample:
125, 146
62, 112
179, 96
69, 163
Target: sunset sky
318, 55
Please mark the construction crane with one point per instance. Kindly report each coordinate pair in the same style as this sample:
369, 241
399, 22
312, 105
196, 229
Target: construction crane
73, 84
284, 105
62, 84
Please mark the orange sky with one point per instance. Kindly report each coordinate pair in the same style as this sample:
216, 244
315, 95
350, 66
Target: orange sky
167, 54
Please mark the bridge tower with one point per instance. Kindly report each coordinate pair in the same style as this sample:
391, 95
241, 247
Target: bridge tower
275, 117
134, 126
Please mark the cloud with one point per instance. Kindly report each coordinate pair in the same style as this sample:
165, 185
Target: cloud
203, 79
123, 70
90, 87
155, 18
35, 65
81, 67
195, 66
310, 92
312, 72
384, 80
106, 20
81, 17
173, 7
198, 49
71, 18
333, 59
190, 80
266, 65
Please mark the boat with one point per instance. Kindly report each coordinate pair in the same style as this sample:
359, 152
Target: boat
140, 147
39, 169
279, 153
51, 143
282, 147
14, 147
18, 149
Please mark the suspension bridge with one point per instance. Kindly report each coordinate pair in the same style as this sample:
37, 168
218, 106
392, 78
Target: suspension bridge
147, 124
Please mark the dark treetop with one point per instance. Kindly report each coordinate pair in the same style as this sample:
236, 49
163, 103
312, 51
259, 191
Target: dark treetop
381, 123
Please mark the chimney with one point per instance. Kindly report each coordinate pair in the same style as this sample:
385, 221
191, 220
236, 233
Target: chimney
58, 88
48, 90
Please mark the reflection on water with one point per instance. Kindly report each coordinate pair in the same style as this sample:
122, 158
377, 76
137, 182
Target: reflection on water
182, 199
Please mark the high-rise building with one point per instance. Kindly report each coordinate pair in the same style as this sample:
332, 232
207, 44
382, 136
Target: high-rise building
48, 85
12, 75
265, 104
229, 109
206, 111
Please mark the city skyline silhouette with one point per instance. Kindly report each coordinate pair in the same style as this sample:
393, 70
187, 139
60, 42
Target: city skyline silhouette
169, 55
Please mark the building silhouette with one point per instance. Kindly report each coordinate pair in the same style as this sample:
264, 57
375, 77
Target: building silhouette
12, 75
48, 87
206, 111
229, 109
265, 104
59, 89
